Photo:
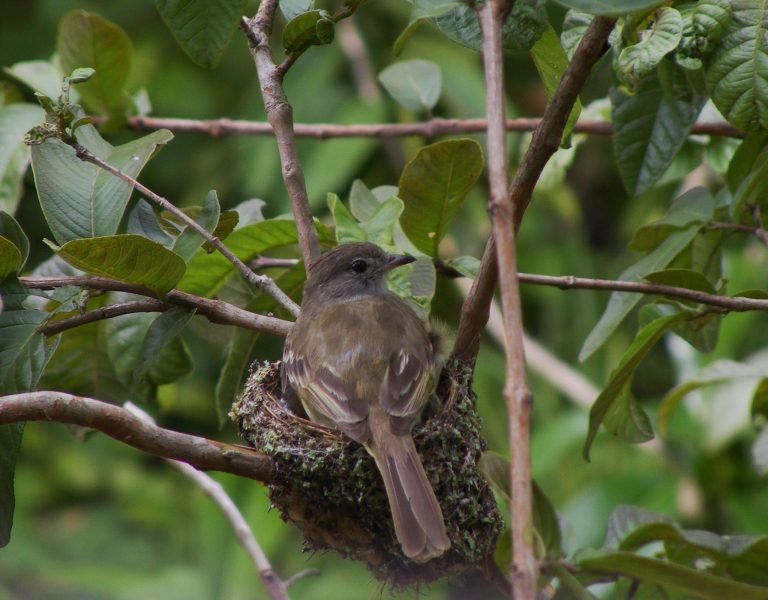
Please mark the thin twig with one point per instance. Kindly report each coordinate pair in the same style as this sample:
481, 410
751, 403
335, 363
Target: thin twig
280, 116
517, 395
261, 282
216, 311
123, 426
276, 588
105, 312
429, 129
758, 231
268, 262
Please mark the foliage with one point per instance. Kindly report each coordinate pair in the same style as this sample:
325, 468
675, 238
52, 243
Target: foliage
694, 368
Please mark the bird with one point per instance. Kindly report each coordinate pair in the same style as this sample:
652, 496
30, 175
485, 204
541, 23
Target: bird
362, 361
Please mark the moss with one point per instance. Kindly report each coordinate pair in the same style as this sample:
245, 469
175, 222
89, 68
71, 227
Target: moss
330, 489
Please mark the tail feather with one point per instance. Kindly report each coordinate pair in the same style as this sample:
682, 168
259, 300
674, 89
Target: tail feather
416, 513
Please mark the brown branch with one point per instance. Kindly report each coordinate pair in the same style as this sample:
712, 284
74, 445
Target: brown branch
216, 311
98, 314
120, 424
517, 395
544, 143
280, 116
758, 231
261, 282
429, 129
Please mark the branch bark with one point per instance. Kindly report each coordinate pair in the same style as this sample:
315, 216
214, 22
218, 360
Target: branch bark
429, 129
280, 116
125, 427
216, 311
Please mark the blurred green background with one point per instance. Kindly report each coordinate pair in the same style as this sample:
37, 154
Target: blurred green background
99, 520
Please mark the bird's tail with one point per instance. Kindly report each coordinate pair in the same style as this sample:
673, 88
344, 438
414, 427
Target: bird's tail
417, 516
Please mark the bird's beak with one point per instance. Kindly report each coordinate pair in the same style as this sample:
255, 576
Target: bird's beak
397, 260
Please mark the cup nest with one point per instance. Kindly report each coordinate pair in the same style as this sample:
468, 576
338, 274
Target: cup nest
328, 486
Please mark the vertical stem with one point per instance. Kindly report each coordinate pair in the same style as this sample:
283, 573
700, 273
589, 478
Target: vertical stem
280, 116
516, 393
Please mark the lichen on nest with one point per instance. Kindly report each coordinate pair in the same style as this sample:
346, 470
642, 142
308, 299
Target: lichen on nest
329, 487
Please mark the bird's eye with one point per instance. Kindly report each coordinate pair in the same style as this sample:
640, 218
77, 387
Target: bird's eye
359, 265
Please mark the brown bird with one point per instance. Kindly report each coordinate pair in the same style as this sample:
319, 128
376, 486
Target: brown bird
362, 361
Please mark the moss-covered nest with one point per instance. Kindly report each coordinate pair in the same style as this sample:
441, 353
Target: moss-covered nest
329, 487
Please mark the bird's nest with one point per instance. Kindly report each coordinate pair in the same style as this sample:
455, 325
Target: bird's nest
329, 487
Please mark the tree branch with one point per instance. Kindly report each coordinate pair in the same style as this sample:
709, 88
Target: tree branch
544, 143
105, 312
216, 311
280, 116
429, 129
125, 427
276, 588
261, 282
517, 395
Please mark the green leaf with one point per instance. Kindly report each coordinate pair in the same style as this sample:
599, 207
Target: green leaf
10, 443
627, 420
738, 70
207, 273
39, 76
13, 232
143, 221
15, 121
202, 28
154, 352
691, 581
620, 379
189, 241
130, 258
466, 265
10, 258
650, 128
79, 199
415, 84
551, 62
415, 282
683, 278
433, 185
575, 26
637, 61
313, 28
347, 229
363, 203
89, 40
621, 303
423, 10
495, 469
611, 8
293, 8
380, 228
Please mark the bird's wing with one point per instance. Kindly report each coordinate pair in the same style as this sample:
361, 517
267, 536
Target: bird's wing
326, 396
406, 387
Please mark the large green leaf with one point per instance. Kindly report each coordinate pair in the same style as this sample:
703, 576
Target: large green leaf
23, 356
433, 185
415, 84
650, 127
627, 420
40, 76
155, 351
551, 62
202, 28
612, 8
79, 199
89, 40
207, 273
130, 258
15, 121
738, 71
636, 61
678, 238
12, 232
695, 583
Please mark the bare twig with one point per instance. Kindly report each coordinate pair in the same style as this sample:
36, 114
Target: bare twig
280, 116
429, 129
517, 395
261, 282
216, 311
121, 425
267, 262
758, 231
276, 588
543, 144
